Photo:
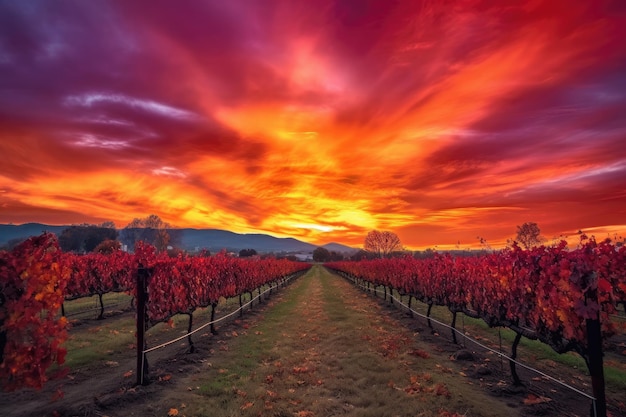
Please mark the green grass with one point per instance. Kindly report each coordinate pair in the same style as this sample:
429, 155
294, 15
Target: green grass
89, 307
250, 351
100, 343
529, 351
92, 342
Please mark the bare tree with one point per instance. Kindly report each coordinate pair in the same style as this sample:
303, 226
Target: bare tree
150, 229
382, 243
528, 235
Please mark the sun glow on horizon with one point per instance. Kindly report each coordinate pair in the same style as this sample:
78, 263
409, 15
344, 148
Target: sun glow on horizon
320, 121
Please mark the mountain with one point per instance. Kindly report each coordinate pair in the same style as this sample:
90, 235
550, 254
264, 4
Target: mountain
338, 247
9, 232
215, 240
192, 239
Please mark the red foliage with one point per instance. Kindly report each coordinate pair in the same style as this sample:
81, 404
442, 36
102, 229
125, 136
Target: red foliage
36, 277
549, 290
32, 283
182, 284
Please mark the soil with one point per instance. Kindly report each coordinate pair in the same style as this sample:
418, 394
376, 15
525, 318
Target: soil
319, 347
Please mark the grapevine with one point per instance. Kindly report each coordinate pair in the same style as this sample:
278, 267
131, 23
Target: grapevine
32, 283
36, 277
564, 298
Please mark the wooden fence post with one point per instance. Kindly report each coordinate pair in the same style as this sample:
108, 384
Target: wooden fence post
596, 369
142, 296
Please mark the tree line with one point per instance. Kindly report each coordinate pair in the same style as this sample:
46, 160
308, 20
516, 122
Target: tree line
105, 238
386, 244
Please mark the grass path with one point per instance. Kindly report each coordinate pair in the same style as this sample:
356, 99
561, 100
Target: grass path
321, 348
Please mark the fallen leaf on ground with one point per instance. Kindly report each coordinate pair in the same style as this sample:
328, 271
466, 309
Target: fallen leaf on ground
420, 353
58, 394
534, 399
173, 412
441, 389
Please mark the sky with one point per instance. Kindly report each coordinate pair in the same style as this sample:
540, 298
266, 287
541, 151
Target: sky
441, 121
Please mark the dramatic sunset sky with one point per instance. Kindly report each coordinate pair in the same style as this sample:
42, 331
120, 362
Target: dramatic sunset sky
321, 120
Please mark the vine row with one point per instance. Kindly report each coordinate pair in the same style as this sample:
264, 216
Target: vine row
37, 277
567, 299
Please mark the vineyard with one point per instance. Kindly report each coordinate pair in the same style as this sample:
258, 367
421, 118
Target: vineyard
571, 300
37, 277
566, 299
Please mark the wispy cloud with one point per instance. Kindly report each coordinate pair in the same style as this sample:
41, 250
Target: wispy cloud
93, 99
442, 121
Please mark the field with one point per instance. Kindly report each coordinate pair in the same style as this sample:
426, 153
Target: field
319, 347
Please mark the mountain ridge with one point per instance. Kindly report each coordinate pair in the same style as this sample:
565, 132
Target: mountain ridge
193, 239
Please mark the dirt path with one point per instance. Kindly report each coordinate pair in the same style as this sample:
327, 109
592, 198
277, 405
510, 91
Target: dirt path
318, 348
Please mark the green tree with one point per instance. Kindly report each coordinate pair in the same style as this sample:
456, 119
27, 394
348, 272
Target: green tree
529, 235
246, 253
85, 238
361, 255
336, 256
321, 255
425, 254
382, 244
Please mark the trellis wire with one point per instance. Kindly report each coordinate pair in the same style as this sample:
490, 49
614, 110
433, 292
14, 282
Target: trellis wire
178, 339
502, 355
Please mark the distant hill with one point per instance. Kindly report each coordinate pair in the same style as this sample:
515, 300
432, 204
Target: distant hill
215, 240
9, 232
192, 239
338, 247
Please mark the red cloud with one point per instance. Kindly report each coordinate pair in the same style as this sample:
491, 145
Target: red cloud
441, 120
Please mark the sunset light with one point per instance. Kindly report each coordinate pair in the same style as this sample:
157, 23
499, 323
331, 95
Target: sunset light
444, 122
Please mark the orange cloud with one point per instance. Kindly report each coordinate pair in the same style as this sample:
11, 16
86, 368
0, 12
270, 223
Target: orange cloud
440, 121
